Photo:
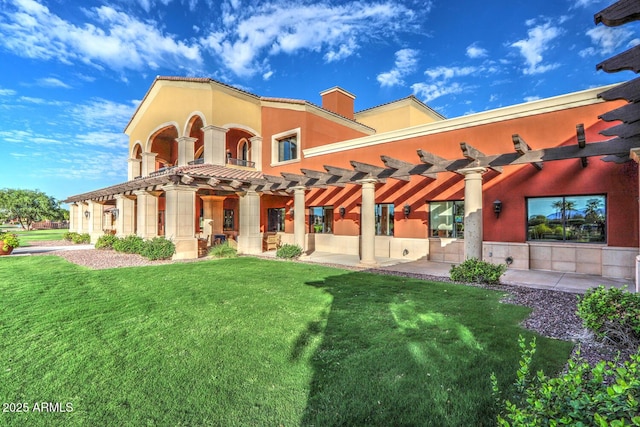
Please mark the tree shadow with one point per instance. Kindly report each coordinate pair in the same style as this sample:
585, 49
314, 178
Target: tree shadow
409, 352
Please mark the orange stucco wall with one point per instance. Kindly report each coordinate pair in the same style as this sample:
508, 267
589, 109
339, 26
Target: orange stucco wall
567, 177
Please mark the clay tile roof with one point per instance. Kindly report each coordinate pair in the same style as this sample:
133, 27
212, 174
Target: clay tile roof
215, 171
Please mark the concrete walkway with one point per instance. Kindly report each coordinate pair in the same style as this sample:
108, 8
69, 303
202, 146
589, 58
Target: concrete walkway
37, 250
567, 282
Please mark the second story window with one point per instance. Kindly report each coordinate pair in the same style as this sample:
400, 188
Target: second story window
285, 147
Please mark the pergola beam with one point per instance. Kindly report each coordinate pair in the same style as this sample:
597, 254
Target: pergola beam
522, 148
582, 142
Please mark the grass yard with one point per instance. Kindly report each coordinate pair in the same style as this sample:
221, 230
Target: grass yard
250, 342
28, 237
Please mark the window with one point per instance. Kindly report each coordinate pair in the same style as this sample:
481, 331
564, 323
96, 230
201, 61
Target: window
384, 219
229, 220
321, 219
580, 219
446, 219
285, 147
275, 219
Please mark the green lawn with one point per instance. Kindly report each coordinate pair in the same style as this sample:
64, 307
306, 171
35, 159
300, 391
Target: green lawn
28, 237
249, 342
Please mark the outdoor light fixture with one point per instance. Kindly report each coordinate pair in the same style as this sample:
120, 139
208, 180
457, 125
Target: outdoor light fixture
497, 207
115, 213
87, 214
406, 210
342, 211
291, 213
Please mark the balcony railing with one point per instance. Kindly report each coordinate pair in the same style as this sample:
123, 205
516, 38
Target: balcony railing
199, 161
240, 162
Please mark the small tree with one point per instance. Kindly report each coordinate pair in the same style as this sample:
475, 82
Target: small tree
28, 206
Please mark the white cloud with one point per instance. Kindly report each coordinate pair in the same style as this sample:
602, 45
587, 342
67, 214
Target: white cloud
538, 41
531, 98
52, 82
473, 51
406, 62
7, 92
102, 114
248, 36
430, 91
606, 40
111, 39
450, 72
587, 4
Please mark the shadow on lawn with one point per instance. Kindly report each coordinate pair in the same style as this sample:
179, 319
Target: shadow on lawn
399, 353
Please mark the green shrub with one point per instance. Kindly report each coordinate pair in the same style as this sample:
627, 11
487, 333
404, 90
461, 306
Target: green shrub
603, 395
612, 314
81, 238
77, 238
288, 251
473, 270
9, 240
223, 250
158, 248
106, 241
130, 245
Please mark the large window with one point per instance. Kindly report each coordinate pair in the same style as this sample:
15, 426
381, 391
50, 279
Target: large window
384, 219
321, 219
285, 147
275, 219
446, 219
567, 218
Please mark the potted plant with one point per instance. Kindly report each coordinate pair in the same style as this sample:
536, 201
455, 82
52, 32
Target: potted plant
8, 241
444, 230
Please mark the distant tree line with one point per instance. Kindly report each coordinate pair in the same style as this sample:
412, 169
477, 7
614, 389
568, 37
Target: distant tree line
28, 206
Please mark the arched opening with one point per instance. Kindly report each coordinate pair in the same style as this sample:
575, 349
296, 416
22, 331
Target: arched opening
195, 131
239, 147
137, 165
164, 144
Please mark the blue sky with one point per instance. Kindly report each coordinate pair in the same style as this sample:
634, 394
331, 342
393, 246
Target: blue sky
72, 73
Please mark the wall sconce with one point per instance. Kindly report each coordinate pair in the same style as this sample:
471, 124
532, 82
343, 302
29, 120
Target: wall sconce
342, 211
291, 212
115, 213
87, 214
406, 210
497, 208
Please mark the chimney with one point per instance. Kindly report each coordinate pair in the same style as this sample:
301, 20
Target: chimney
339, 101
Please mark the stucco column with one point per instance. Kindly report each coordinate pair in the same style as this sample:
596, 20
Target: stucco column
126, 221
134, 169
180, 223
73, 217
83, 223
368, 223
213, 207
299, 214
215, 145
95, 220
473, 212
256, 151
147, 214
635, 155
148, 163
249, 236
185, 150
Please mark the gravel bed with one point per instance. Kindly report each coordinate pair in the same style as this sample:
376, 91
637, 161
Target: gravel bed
553, 315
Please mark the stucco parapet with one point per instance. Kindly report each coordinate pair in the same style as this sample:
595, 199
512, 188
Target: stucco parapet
547, 105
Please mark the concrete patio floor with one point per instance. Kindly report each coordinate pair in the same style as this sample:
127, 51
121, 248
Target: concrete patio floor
566, 282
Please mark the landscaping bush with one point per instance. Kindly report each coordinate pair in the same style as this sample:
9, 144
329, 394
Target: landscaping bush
9, 240
603, 395
129, 245
106, 241
612, 314
288, 251
158, 248
77, 238
476, 271
223, 250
